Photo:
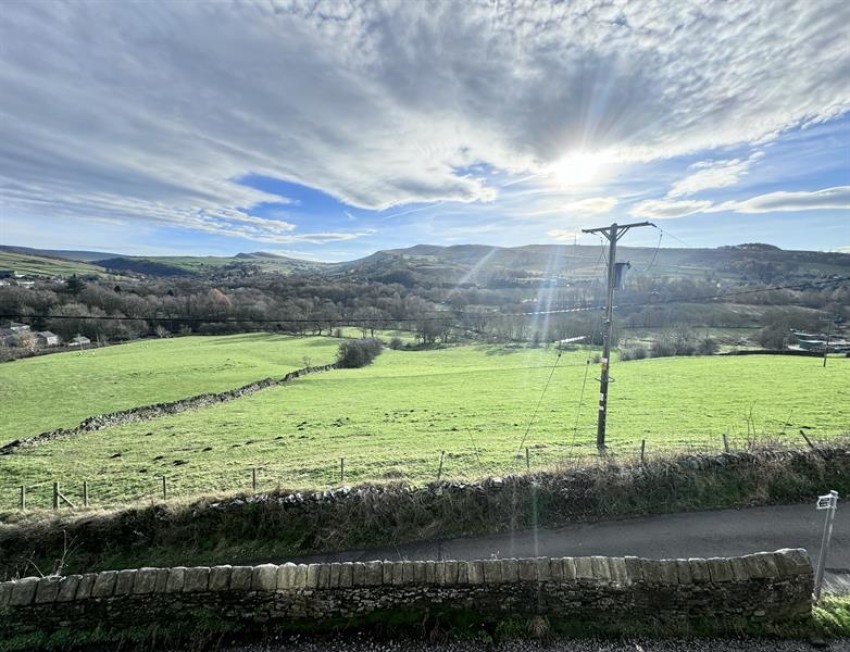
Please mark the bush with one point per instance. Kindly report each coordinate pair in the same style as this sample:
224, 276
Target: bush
396, 343
707, 346
634, 353
357, 353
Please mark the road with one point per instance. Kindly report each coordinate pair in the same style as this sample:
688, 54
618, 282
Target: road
718, 533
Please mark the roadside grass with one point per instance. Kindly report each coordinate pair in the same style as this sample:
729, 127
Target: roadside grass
62, 389
483, 405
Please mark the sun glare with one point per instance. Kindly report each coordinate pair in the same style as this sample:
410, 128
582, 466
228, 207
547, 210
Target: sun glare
578, 168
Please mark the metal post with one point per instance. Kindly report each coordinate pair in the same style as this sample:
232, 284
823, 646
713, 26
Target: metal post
831, 502
85, 493
23, 497
826, 344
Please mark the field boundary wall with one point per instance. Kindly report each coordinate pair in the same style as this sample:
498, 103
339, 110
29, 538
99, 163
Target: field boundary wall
156, 410
713, 594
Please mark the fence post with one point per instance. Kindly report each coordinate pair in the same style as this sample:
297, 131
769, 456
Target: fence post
642, 450
440, 470
254, 478
85, 493
23, 497
725, 443
808, 441
164, 488
341, 470
527, 459
55, 495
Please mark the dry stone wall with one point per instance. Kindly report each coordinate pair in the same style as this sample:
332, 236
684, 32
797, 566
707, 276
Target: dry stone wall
711, 593
148, 412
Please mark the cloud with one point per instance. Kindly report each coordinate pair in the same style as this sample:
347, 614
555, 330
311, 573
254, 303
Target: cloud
591, 206
664, 209
712, 174
151, 112
837, 198
557, 234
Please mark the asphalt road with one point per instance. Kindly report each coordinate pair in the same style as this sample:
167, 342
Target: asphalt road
719, 533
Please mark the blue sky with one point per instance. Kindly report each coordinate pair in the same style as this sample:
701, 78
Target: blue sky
330, 130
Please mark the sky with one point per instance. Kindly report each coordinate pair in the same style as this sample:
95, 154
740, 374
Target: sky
330, 130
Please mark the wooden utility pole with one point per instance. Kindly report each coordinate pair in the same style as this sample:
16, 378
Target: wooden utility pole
613, 233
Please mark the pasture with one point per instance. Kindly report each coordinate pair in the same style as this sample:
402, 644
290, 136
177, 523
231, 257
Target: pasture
62, 389
482, 405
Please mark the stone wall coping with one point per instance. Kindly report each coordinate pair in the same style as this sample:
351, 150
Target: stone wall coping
579, 571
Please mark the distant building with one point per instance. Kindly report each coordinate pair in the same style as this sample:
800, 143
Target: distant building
13, 333
47, 338
79, 340
7, 273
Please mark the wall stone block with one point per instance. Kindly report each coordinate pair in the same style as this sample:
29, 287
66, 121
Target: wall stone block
48, 589
104, 584
23, 591
219, 578
124, 582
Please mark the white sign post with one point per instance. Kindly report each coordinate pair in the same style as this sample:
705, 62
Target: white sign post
829, 502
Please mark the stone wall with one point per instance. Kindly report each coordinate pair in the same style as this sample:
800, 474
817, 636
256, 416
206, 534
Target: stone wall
713, 594
157, 410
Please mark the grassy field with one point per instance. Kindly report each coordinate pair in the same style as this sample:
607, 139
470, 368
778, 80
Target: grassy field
62, 389
44, 266
483, 405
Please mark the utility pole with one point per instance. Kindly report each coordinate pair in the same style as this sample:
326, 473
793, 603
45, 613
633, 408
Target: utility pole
613, 233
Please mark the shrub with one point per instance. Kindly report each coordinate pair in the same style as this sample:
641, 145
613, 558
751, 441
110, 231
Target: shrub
396, 343
707, 346
357, 353
634, 353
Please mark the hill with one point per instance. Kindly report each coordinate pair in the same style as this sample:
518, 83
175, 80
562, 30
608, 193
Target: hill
39, 264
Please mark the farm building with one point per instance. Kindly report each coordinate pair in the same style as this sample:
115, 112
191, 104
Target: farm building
79, 340
47, 338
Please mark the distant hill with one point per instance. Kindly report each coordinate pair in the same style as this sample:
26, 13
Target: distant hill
20, 261
459, 264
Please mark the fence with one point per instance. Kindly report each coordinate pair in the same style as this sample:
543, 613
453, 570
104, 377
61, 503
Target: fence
446, 465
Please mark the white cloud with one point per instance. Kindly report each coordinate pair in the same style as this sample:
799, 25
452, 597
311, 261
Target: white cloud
149, 112
712, 174
591, 206
558, 234
665, 209
837, 198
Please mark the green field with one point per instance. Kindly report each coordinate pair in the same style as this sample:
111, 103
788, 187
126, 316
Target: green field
392, 420
62, 389
44, 266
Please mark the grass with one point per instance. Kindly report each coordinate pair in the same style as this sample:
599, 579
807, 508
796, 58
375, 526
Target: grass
62, 389
392, 420
43, 266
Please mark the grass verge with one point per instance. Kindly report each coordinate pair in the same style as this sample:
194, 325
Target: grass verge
248, 527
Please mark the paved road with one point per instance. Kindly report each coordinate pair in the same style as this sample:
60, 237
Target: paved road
694, 534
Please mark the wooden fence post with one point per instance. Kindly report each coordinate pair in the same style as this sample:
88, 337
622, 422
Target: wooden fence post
440, 470
642, 450
23, 497
808, 441
341, 470
527, 459
725, 443
164, 488
85, 493
254, 478
55, 495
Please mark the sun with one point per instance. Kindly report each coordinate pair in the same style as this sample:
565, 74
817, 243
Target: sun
578, 168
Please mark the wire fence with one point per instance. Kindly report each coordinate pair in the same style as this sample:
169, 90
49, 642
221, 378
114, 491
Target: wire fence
462, 465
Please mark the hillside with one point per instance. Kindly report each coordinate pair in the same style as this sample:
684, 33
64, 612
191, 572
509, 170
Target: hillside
40, 264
